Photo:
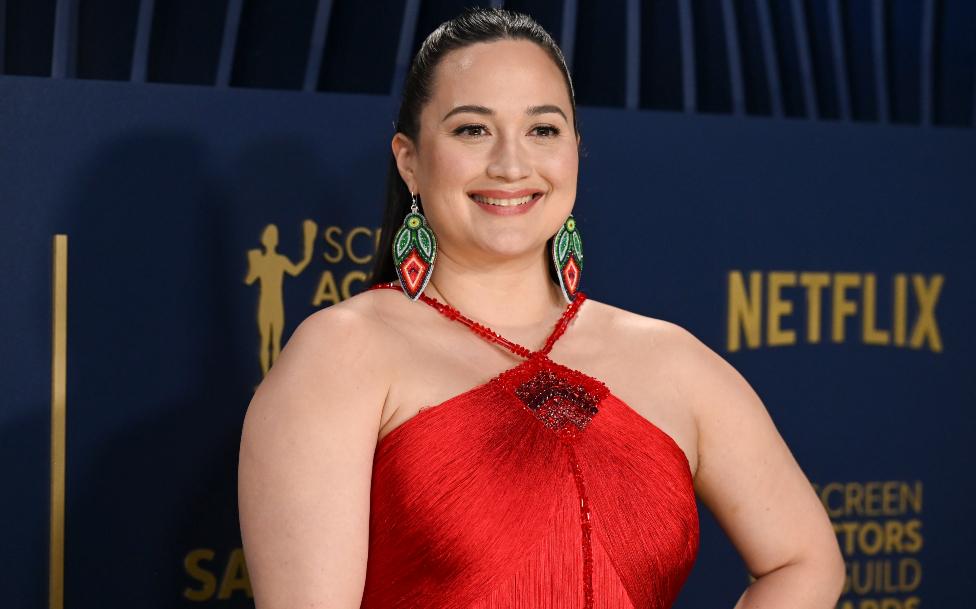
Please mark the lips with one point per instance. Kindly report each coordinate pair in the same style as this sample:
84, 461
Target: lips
505, 198
502, 203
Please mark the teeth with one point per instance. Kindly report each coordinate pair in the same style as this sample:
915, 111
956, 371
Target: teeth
503, 202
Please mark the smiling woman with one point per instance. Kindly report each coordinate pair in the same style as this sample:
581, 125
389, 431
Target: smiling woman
391, 460
493, 130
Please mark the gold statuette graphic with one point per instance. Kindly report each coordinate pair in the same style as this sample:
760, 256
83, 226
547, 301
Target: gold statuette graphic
270, 267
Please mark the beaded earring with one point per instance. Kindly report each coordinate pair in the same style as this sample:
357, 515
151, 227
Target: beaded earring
414, 250
567, 256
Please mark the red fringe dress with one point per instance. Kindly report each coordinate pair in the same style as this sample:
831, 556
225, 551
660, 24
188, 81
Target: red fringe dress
536, 489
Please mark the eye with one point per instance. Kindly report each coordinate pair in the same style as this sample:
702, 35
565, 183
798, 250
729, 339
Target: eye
547, 130
467, 129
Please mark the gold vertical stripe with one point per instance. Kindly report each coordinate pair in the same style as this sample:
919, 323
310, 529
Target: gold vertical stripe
59, 341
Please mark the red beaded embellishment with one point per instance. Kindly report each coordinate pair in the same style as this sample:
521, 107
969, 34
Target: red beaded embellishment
586, 529
557, 401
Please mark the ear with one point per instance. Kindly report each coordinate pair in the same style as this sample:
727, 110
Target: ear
405, 154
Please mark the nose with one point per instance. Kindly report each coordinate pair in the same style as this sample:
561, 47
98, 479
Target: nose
508, 160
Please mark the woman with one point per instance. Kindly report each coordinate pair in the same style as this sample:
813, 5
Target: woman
560, 465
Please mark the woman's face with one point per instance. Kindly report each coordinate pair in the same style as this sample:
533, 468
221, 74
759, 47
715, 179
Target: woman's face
497, 130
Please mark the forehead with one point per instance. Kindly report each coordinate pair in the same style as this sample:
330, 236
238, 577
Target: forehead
502, 74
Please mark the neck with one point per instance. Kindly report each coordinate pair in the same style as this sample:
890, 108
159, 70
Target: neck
514, 294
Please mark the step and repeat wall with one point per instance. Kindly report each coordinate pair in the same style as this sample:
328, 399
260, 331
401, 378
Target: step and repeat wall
831, 263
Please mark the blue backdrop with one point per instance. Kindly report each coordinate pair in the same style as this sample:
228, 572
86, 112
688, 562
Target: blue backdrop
830, 263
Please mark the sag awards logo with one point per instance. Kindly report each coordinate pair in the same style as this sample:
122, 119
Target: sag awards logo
267, 268
879, 528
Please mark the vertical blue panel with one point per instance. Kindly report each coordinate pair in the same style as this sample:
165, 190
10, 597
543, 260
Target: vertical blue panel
228, 44
407, 29
927, 62
568, 35
687, 27
3, 35
735, 59
769, 53
839, 55
879, 37
140, 50
806, 63
64, 54
632, 97
316, 47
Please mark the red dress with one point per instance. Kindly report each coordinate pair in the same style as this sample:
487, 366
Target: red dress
536, 489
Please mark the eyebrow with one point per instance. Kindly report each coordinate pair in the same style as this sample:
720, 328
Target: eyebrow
530, 111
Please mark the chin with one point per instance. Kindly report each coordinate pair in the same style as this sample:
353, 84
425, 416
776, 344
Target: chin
510, 246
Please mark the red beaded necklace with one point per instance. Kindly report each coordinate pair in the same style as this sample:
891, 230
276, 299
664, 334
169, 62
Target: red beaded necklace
489, 334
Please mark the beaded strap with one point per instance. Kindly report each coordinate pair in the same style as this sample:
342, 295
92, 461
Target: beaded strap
489, 334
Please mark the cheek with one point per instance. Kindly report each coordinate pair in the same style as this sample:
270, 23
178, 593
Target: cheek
560, 168
446, 165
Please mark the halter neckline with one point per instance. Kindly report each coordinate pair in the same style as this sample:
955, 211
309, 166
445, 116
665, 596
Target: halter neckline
489, 334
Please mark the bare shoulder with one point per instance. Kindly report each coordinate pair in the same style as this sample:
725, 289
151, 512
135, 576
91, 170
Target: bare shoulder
642, 332
308, 441
333, 372
336, 368
353, 334
363, 319
702, 375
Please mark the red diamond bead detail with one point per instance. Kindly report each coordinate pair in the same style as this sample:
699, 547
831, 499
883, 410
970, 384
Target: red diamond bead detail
563, 399
413, 269
571, 275
557, 401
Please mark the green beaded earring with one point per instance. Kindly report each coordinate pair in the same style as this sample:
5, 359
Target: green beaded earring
414, 250
567, 256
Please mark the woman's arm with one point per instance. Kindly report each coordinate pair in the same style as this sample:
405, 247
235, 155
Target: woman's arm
750, 481
306, 464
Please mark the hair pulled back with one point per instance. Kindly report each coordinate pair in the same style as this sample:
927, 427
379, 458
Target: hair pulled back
472, 26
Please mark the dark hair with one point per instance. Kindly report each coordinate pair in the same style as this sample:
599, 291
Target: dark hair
471, 26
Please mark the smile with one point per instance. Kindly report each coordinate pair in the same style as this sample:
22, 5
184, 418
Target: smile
510, 202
